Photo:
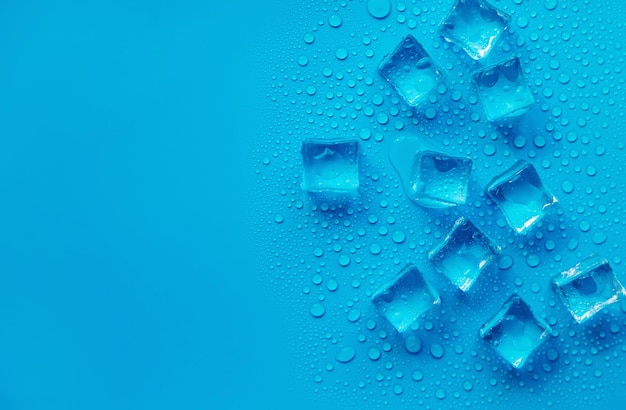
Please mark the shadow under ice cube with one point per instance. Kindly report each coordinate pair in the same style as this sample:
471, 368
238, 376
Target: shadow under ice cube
464, 254
515, 332
330, 165
521, 196
503, 90
439, 180
474, 26
588, 287
411, 71
403, 300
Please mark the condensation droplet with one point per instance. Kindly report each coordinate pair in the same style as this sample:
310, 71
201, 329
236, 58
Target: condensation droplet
379, 8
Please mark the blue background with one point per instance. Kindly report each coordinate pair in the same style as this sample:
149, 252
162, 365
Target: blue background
127, 254
135, 245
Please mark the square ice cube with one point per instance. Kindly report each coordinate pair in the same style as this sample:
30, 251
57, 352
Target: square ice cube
405, 298
411, 71
474, 26
464, 254
330, 165
588, 287
439, 180
515, 332
521, 196
503, 90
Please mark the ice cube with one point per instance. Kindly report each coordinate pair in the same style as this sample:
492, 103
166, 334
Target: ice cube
411, 71
503, 90
439, 180
405, 298
464, 254
521, 196
588, 287
515, 332
330, 165
430, 178
474, 26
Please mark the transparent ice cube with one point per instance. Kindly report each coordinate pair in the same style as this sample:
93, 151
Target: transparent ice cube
474, 26
405, 298
464, 253
503, 90
588, 287
439, 180
521, 196
330, 165
515, 332
430, 178
411, 71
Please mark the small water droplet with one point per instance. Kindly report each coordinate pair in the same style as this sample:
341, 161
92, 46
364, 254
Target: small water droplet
317, 310
345, 354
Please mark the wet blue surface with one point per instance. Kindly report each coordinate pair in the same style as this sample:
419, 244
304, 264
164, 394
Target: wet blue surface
557, 105
159, 251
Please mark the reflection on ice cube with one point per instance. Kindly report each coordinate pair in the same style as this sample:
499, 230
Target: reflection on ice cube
463, 254
474, 26
330, 165
411, 71
515, 332
405, 298
430, 178
588, 287
521, 196
503, 91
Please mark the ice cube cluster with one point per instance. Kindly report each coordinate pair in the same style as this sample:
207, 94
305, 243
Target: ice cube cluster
436, 179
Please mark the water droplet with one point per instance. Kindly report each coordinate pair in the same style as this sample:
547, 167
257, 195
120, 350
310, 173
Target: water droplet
334, 21
437, 351
317, 310
599, 238
519, 141
413, 344
332, 285
533, 260
374, 353
584, 226
505, 262
379, 8
398, 237
539, 141
365, 134
489, 149
344, 260
354, 315
345, 354
303, 60
567, 187
375, 249
552, 355
278, 218
522, 21
591, 170
430, 113
341, 53
550, 4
